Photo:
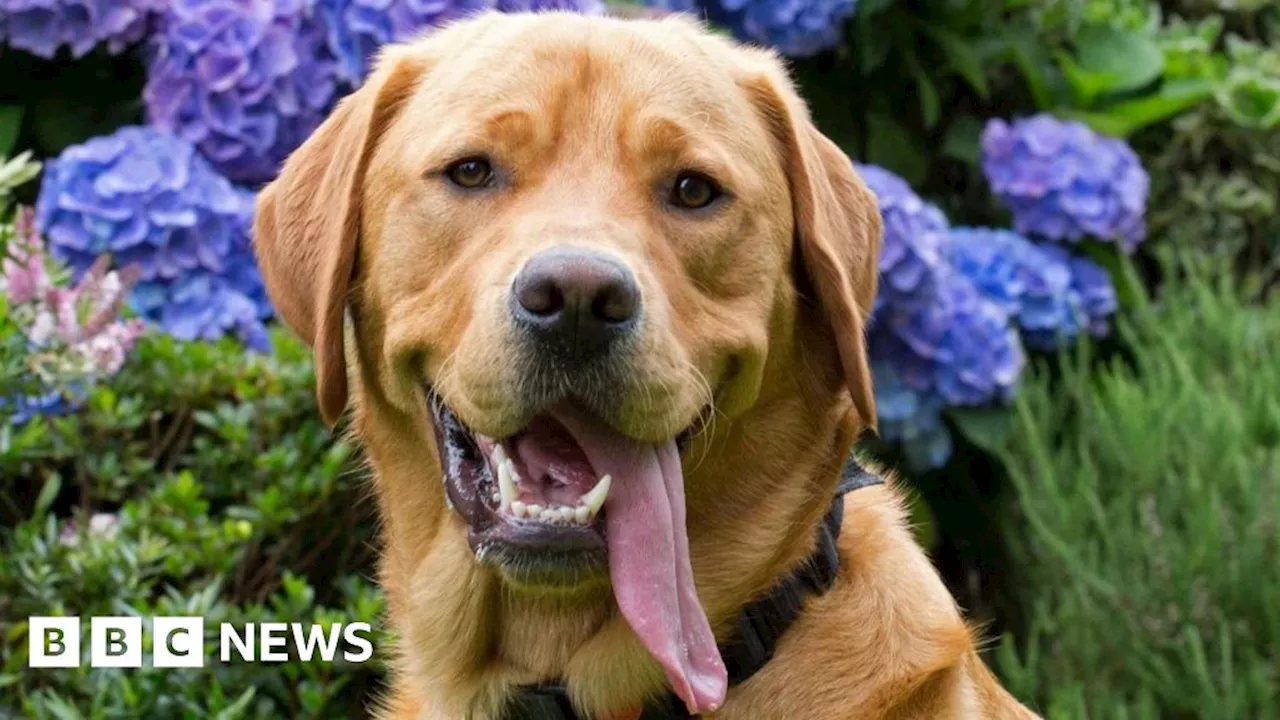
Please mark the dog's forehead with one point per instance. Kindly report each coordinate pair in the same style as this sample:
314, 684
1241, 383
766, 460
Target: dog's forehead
556, 65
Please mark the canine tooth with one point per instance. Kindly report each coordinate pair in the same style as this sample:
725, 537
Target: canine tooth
594, 500
506, 481
581, 514
499, 455
518, 509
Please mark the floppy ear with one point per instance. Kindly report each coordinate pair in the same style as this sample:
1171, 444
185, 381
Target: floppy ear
307, 221
838, 226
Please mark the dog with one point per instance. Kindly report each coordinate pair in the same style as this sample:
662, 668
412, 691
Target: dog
593, 291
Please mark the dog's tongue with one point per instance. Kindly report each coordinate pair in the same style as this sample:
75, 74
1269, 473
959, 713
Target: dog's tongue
649, 558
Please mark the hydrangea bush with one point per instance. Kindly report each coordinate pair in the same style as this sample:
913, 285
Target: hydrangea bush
956, 308
246, 81
148, 199
43, 27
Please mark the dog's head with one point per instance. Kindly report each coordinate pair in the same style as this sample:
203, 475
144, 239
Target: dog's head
569, 247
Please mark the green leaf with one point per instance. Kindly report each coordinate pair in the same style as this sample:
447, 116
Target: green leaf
1112, 60
964, 57
1031, 59
986, 427
10, 123
963, 139
1124, 119
930, 107
1130, 291
48, 494
1251, 100
891, 146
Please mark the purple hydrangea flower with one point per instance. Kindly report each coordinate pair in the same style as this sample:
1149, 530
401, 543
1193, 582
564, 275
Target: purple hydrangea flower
797, 28
41, 27
1063, 181
246, 81
911, 418
149, 200
960, 346
914, 233
1027, 281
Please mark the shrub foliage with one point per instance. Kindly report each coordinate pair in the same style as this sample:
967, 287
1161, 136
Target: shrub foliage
1147, 499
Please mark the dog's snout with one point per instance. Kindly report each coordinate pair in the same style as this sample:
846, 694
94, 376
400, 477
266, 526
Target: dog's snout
576, 301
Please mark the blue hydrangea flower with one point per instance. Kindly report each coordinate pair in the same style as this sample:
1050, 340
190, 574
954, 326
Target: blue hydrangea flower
586, 7
911, 418
26, 407
357, 28
1092, 294
149, 200
1027, 281
797, 28
962, 345
1062, 181
914, 233
246, 81
41, 27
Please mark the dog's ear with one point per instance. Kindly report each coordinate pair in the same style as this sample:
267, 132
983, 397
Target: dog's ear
307, 221
837, 221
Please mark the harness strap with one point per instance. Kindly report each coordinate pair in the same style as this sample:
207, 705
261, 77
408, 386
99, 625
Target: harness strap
759, 627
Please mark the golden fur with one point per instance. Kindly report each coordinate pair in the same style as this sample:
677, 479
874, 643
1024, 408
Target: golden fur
758, 307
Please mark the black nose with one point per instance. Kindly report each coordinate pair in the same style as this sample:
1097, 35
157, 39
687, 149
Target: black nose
577, 303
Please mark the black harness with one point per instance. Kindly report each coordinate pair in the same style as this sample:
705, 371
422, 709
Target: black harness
759, 626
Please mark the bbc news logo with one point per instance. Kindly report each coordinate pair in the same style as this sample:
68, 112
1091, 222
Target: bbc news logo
179, 642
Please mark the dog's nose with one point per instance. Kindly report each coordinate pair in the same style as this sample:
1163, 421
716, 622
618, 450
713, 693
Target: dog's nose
578, 302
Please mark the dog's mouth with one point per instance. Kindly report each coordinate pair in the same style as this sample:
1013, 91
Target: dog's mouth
569, 496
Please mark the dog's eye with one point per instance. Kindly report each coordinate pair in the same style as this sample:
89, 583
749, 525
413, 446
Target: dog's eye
470, 173
693, 191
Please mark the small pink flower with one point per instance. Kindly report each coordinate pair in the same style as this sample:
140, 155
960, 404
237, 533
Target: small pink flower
25, 279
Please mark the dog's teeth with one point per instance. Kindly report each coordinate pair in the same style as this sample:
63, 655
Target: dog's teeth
594, 500
581, 514
550, 515
506, 481
499, 455
566, 514
535, 511
519, 509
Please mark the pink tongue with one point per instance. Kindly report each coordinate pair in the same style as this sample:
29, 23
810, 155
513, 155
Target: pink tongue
649, 559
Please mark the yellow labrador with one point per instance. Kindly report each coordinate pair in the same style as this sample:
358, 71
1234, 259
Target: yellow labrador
604, 287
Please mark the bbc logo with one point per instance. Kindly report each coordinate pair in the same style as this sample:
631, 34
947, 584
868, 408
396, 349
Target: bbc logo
179, 642
115, 642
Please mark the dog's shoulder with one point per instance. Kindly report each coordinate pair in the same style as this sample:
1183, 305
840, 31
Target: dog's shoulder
886, 641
